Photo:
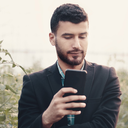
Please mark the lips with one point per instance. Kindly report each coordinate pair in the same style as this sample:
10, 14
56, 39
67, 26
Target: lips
75, 52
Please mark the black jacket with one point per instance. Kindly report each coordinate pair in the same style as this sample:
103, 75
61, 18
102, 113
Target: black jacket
102, 104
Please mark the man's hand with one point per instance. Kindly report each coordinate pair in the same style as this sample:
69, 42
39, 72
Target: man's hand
59, 106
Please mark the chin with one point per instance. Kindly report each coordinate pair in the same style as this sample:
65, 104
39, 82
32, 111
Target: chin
75, 61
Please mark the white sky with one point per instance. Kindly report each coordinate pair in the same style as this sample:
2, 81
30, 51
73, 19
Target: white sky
25, 24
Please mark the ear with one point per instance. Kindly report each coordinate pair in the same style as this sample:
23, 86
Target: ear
52, 38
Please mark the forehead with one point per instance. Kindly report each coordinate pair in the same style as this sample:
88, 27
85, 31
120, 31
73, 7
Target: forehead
69, 27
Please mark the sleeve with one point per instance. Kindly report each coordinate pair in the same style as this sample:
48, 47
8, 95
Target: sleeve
106, 115
29, 115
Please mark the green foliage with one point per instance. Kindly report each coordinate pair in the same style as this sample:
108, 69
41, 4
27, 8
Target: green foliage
3, 61
123, 115
10, 86
123, 78
9, 96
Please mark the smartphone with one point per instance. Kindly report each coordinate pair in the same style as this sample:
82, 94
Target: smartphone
75, 79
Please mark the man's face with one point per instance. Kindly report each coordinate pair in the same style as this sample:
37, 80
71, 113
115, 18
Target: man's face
71, 41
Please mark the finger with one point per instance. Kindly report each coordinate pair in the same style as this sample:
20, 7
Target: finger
71, 112
74, 98
74, 105
64, 90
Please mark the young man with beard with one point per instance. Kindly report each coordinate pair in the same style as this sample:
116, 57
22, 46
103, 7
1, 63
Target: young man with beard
42, 102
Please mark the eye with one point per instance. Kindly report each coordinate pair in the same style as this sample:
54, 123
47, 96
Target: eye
82, 37
67, 37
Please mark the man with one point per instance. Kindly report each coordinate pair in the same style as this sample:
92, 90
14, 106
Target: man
42, 102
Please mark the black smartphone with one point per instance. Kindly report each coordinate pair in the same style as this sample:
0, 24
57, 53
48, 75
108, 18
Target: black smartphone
75, 79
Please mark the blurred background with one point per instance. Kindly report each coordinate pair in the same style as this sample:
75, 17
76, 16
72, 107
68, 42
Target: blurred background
25, 26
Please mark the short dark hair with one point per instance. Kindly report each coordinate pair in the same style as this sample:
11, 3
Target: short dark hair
68, 12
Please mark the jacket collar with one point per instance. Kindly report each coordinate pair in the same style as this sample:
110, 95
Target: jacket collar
88, 85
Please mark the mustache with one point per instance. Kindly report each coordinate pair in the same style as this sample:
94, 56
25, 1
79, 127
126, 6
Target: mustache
73, 51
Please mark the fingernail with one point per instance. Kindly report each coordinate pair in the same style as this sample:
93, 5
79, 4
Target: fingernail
84, 105
79, 112
75, 90
84, 97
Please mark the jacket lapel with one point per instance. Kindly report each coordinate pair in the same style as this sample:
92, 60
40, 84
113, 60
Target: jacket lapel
89, 78
54, 79
88, 85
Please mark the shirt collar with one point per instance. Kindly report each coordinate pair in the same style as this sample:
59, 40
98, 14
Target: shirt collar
61, 72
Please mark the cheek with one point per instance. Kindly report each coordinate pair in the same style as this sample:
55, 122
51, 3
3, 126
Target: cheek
85, 45
65, 47
62, 48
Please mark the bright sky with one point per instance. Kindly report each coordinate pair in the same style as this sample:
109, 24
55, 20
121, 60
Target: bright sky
25, 24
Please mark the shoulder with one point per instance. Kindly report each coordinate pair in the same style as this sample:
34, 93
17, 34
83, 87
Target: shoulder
98, 67
40, 74
101, 69
106, 69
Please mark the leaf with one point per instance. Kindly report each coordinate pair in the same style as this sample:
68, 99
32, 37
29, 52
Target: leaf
13, 65
23, 69
0, 58
10, 75
3, 50
6, 53
4, 61
1, 41
2, 87
2, 117
7, 110
3, 104
11, 89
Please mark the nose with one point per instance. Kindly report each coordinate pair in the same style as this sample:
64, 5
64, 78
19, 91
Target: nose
76, 43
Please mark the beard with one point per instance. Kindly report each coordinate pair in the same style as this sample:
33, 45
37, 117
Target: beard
64, 57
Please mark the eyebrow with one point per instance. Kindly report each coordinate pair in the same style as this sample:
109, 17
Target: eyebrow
69, 34
84, 33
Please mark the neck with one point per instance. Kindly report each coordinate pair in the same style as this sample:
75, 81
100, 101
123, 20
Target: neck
64, 66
